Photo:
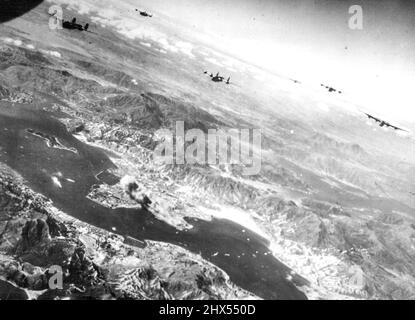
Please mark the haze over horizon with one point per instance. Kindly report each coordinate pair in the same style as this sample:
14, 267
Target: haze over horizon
305, 40
311, 40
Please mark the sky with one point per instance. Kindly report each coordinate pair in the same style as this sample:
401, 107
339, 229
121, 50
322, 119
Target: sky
306, 40
311, 40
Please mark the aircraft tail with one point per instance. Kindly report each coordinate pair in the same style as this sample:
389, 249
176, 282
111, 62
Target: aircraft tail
86, 26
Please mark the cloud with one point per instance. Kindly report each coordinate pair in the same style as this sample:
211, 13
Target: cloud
146, 44
19, 43
162, 51
107, 14
148, 33
224, 61
165, 44
214, 61
185, 47
15, 42
52, 53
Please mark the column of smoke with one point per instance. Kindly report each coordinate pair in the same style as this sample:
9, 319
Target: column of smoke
132, 188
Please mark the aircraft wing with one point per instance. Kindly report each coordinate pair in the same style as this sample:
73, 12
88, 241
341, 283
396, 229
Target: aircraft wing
372, 117
396, 128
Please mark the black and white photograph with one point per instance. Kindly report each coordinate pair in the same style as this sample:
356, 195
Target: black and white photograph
216, 150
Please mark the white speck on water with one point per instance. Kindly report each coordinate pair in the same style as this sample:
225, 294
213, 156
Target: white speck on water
215, 254
56, 182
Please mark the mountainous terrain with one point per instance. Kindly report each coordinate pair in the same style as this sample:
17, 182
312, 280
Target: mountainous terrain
330, 215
